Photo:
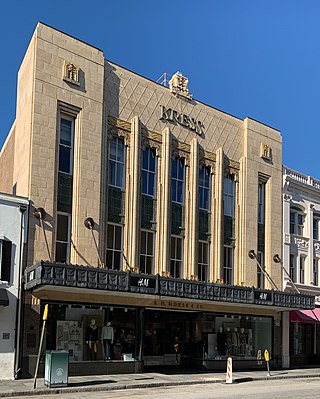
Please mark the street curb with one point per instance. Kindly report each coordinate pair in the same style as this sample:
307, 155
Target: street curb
53, 391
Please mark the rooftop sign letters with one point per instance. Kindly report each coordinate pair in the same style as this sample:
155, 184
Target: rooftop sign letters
170, 115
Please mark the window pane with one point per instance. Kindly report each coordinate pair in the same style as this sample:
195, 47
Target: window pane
109, 262
174, 168
205, 253
119, 182
152, 161
65, 131
180, 192
64, 159
144, 182
113, 149
174, 190
120, 150
112, 173
143, 242
179, 248
61, 252
62, 228
142, 264
173, 248
118, 238
151, 184
149, 265
150, 243
110, 236
180, 169
117, 260
145, 153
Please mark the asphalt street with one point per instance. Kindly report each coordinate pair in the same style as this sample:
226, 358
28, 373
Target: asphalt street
284, 389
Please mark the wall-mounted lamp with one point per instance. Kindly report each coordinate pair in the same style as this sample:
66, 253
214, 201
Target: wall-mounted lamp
41, 214
89, 223
253, 255
276, 258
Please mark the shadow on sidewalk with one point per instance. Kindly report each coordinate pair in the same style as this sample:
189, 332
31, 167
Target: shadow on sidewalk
90, 383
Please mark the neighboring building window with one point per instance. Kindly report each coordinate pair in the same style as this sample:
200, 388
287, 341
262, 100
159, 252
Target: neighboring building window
116, 162
203, 261
114, 247
146, 252
302, 267
63, 238
5, 260
229, 196
315, 228
228, 265
149, 171
292, 268
260, 274
176, 257
66, 145
296, 223
315, 271
177, 180
204, 188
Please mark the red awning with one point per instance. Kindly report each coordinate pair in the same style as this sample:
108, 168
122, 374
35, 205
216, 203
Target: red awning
305, 316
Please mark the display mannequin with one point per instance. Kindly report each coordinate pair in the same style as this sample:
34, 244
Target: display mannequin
221, 342
243, 341
228, 342
235, 341
107, 337
92, 339
154, 343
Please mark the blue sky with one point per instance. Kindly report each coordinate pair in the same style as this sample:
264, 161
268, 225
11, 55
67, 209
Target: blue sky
256, 58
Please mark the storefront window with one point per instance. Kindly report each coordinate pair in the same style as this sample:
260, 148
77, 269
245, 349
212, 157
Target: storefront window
92, 332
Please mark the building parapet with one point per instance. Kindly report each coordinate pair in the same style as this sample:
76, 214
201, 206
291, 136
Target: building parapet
58, 274
301, 178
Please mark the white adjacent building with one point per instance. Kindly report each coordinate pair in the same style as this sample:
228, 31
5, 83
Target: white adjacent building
301, 257
13, 237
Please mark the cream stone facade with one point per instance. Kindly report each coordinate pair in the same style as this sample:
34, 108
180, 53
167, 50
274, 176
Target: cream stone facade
154, 142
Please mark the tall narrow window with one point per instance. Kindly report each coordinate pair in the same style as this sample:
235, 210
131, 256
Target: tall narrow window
63, 238
146, 252
66, 144
292, 268
261, 232
228, 265
114, 247
65, 182
315, 228
5, 260
203, 261
116, 162
177, 180
260, 274
315, 271
149, 171
176, 257
302, 267
296, 221
229, 196
204, 188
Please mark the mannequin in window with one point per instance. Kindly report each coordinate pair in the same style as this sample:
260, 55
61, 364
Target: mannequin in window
107, 337
154, 343
235, 341
228, 342
243, 341
92, 339
221, 342
176, 348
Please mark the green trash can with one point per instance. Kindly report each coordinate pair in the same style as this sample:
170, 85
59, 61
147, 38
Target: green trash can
56, 369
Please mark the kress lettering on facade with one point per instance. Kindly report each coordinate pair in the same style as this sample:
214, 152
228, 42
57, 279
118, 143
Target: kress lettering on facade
170, 115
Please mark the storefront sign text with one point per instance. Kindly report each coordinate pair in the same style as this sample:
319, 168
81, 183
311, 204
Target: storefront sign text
178, 305
142, 282
170, 115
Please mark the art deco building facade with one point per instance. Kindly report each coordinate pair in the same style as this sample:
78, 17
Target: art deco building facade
147, 203
301, 254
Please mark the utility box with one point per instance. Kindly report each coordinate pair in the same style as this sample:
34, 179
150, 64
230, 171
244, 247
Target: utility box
56, 369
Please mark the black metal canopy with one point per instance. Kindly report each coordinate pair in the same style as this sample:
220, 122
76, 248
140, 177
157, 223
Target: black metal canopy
57, 274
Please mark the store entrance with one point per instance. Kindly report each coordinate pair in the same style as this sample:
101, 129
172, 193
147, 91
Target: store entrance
170, 339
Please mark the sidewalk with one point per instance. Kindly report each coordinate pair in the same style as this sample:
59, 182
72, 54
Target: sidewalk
145, 380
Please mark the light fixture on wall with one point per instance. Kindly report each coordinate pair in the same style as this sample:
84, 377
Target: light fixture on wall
89, 223
253, 255
41, 214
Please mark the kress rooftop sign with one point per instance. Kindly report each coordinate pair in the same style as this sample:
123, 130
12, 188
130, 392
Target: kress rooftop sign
170, 115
